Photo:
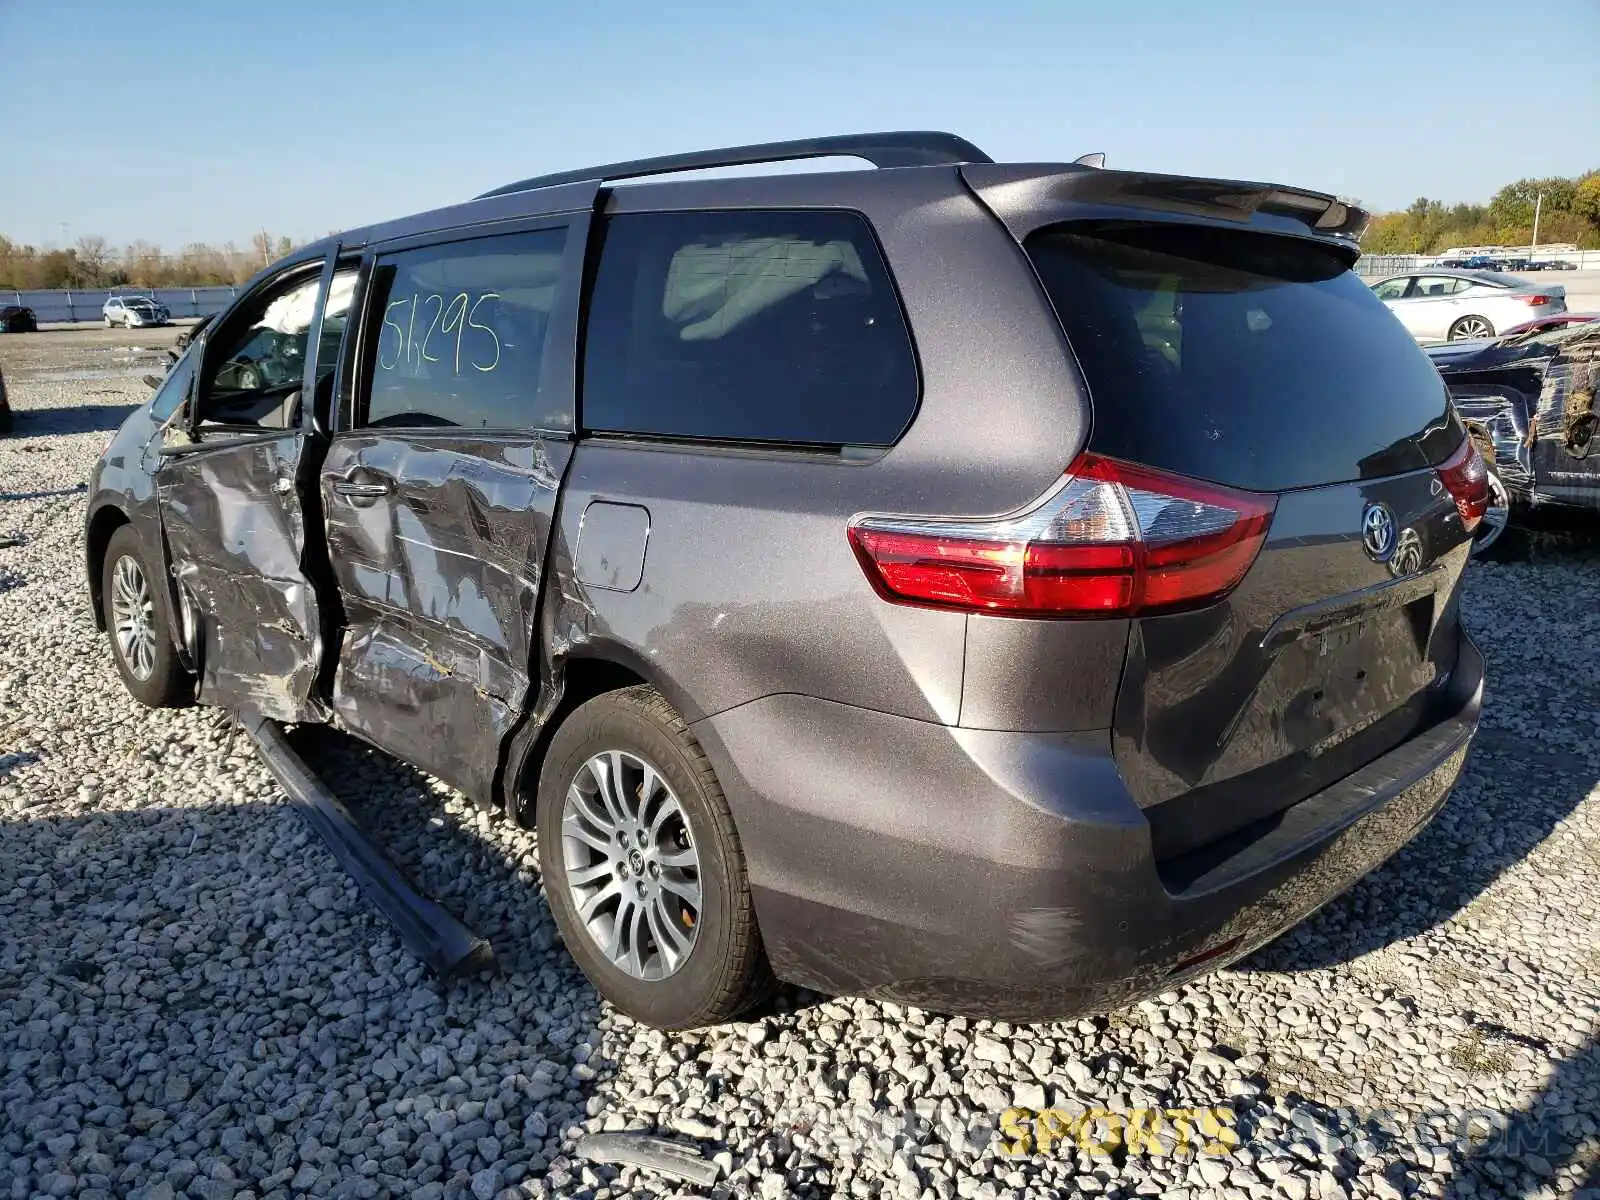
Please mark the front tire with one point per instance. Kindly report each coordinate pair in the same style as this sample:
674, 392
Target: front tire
642, 865
135, 608
1471, 327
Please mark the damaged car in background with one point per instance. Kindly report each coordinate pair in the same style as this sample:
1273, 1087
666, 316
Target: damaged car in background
766, 543
1528, 401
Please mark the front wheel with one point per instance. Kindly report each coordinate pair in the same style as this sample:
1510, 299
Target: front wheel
1471, 327
135, 608
642, 865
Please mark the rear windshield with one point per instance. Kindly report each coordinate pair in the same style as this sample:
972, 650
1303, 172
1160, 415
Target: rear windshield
1249, 359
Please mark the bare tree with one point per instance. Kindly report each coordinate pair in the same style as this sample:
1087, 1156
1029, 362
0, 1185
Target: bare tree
94, 260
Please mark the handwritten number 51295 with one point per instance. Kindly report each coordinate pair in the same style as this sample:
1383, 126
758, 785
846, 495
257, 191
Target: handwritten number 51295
433, 313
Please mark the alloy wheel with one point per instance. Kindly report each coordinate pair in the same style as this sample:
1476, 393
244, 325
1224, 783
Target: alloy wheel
633, 874
1471, 327
133, 613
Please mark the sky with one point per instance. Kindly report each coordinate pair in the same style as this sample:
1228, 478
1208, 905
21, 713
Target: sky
178, 121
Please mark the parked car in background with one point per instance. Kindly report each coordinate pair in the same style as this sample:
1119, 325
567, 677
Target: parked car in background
1528, 399
18, 318
5, 406
659, 516
1558, 264
135, 311
1437, 304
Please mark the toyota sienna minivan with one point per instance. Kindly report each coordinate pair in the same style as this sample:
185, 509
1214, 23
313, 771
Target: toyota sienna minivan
1003, 588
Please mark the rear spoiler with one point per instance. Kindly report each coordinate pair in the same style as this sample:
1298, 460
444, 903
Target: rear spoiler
1029, 196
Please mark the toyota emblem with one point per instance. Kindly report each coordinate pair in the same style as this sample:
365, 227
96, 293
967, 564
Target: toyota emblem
1377, 532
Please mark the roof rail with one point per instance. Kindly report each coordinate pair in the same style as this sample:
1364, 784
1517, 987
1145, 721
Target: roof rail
901, 149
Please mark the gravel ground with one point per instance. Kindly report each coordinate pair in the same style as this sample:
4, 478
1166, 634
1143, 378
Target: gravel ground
194, 1000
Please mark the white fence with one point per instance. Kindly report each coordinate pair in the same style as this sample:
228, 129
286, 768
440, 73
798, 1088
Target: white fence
1399, 264
71, 305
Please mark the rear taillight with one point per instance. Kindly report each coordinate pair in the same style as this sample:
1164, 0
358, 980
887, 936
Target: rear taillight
1466, 477
1535, 301
1111, 539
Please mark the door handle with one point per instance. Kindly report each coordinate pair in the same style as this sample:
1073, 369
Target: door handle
363, 491
346, 487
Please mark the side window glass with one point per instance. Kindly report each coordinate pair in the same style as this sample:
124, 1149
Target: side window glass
1431, 287
335, 317
457, 334
255, 363
755, 325
173, 388
1391, 289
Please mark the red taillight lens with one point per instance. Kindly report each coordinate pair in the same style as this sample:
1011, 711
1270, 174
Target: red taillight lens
1466, 477
1113, 539
1537, 300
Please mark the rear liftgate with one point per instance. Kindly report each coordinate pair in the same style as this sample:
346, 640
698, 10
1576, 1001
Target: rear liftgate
443, 944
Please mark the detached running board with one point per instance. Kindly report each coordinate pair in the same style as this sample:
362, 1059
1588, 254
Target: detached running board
443, 944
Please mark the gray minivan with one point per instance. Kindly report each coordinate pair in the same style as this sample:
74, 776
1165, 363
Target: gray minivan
1006, 589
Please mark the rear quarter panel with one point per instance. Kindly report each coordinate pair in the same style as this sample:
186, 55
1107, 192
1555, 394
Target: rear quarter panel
749, 585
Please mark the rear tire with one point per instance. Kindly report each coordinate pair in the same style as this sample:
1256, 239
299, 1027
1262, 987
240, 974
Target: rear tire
1471, 327
134, 604
707, 964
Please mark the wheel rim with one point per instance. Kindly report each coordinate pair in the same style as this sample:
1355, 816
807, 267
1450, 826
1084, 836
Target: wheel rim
133, 618
633, 874
1495, 517
1472, 327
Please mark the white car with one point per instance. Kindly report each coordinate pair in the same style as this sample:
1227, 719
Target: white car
134, 310
1436, 304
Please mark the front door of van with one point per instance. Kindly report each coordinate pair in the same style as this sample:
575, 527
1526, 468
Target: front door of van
230, 499
439, 488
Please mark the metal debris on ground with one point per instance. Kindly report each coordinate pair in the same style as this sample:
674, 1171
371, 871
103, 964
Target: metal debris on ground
675, 1158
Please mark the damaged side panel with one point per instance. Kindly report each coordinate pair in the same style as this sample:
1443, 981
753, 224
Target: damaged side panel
235, 532
439, 577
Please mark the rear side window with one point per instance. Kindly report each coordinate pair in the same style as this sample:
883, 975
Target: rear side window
1249, 359
758, 326
457, 334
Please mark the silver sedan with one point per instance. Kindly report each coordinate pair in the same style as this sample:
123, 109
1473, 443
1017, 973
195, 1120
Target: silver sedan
1437, 304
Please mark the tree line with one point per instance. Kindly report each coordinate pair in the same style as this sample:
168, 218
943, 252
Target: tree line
1570, 212
92, 264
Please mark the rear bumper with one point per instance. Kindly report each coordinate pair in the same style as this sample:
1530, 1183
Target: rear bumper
1011, 875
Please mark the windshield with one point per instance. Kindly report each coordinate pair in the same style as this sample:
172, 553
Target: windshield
1495, 279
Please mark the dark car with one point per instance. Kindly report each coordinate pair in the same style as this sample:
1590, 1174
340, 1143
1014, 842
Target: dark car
18, 318
5, 406
1530, 397
1005, 589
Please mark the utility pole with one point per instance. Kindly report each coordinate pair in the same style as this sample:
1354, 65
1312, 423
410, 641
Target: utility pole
1538, 203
